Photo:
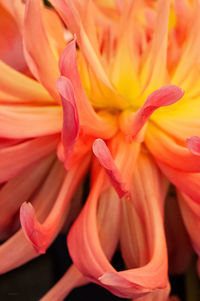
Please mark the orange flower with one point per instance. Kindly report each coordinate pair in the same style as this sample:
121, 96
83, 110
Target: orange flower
126, 103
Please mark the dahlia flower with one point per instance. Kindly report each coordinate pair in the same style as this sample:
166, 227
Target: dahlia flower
109, 88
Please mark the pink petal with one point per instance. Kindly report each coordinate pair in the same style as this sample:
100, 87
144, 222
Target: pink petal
164, 96
92, 261
70, 129
40, 235
193, 144
90, 121
16, 158
104, 156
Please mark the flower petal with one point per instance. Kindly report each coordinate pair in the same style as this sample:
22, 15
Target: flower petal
29, 121
104, 156
193, 144
20, 87
38, 50
23, 186
70, 130
169, 151
12, 257
92, 261
91, 122
40, 235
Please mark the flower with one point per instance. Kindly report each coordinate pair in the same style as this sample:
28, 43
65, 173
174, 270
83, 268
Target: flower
129, 95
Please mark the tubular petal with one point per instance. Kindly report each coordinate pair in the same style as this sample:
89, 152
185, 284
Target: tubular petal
167, 150
12, 257
23, 186
193, 144
40, 235
104, 156
21, 87
154, 70
17, 121
15, 159
93, 263
70, 130
162, 97
10, 38
38, 50
179, 178
90, 121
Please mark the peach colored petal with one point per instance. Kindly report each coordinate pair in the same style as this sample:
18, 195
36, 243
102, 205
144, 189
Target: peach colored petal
179, 179
10, 38
29, 121
14, 159
23, 186
70, 130
92, 261
40, 235
169, 151
91, 122
38, 50
21, 87
12, 256
104, 156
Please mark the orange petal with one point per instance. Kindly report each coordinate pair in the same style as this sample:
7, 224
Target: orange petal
104, 156
91, 122
13, 257
92, 261
29, 121
21, 188
16, 158
38, 49
70, 130
20, 87
167, 150
40, 235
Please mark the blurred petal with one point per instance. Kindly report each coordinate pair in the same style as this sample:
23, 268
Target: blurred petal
38, 50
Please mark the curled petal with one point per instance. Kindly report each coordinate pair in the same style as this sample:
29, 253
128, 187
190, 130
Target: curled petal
91, 122
132, 123
104, 156
70, 130
40, 235
12, 257
193, 144
94, 264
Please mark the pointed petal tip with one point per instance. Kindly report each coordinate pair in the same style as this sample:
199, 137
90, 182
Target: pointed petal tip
32, 228
104, 156
193, 144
